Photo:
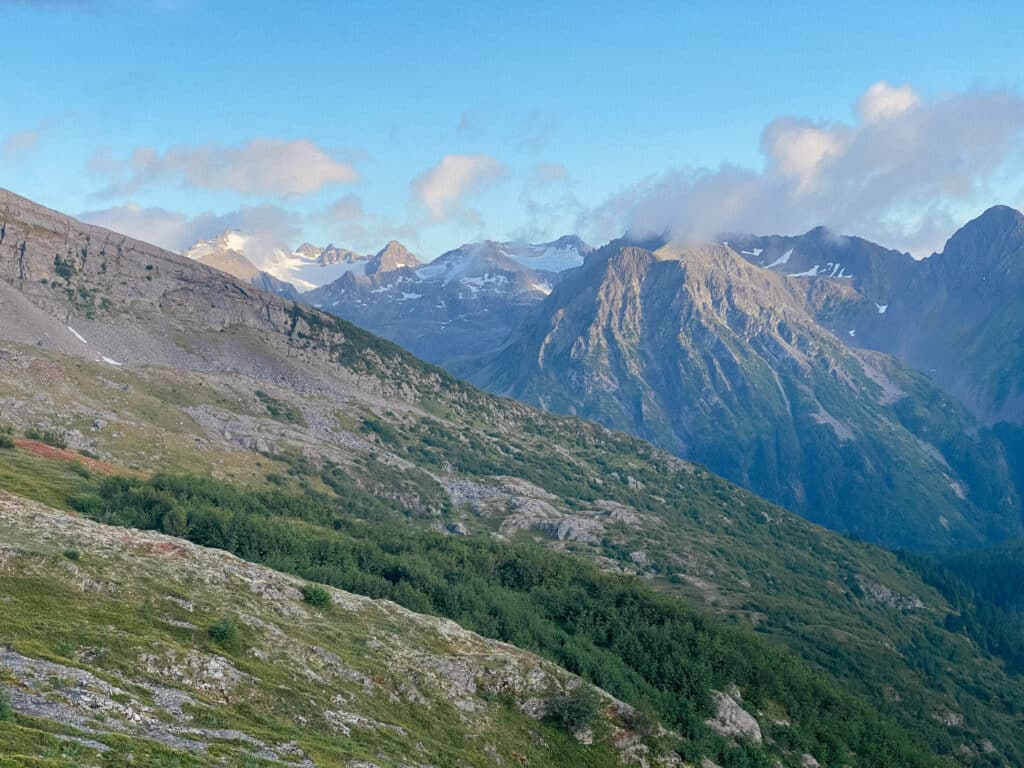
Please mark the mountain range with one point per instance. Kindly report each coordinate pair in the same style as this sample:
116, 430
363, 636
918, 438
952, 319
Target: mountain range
717, 627
868, 391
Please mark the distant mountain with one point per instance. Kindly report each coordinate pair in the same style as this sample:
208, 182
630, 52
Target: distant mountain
724, 363
955, 316
959, 316
226, 253
462, 304
284, 271
871, 268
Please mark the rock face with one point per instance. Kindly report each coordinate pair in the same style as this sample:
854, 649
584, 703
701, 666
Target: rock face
347, 667
734, 722
726, 364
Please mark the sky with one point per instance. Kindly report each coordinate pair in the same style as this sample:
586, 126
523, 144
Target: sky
443, 123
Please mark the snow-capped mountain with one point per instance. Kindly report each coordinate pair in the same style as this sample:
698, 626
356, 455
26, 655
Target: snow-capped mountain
305, 268
465, 301
227, 253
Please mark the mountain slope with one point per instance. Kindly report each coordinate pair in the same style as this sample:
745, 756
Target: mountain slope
723, 363
271, 393
953, 316
111, 658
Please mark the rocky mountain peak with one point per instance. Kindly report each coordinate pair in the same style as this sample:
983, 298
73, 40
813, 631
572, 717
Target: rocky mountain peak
332, 254
309, 250
996, 233
392, 256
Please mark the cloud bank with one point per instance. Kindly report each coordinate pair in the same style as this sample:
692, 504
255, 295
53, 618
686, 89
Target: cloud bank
276, 167
899, 173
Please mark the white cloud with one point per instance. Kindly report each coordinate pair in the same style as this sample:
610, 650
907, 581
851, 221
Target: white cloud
443, 189
266, 227
261, 166
901, 173
882, 101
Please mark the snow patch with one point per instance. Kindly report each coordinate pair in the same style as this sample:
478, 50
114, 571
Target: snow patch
881, 308
783, 259
78, 335
812, 272
541, 288
852, 332
755, 252
408, 296
111, 361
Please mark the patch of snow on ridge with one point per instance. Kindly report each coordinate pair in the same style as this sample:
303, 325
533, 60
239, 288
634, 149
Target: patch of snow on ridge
78, 335
408, 296
881, 308
110, 361
755, 252
812, 272
783, 259
852, 332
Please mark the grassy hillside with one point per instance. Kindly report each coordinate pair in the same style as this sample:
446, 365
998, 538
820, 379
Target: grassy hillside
127, 647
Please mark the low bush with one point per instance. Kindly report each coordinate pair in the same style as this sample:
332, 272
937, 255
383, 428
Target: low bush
575, 710
316, 595
224, 632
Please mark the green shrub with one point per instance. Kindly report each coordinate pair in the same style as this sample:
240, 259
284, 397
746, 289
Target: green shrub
575, 710
6, 713
80, 469
224, 632
6, 437
643, 722
72, 554
316, 595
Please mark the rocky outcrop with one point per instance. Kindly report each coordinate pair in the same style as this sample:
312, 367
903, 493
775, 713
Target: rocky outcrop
732, 721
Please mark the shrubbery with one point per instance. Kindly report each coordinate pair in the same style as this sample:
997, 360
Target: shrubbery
575, 710
224, 632
316, 595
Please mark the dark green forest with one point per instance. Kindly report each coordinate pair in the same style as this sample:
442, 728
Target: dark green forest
986, 587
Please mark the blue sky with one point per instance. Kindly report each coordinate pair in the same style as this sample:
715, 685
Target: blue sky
443, 123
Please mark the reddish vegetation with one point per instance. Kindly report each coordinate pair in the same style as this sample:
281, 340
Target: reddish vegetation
62, 454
